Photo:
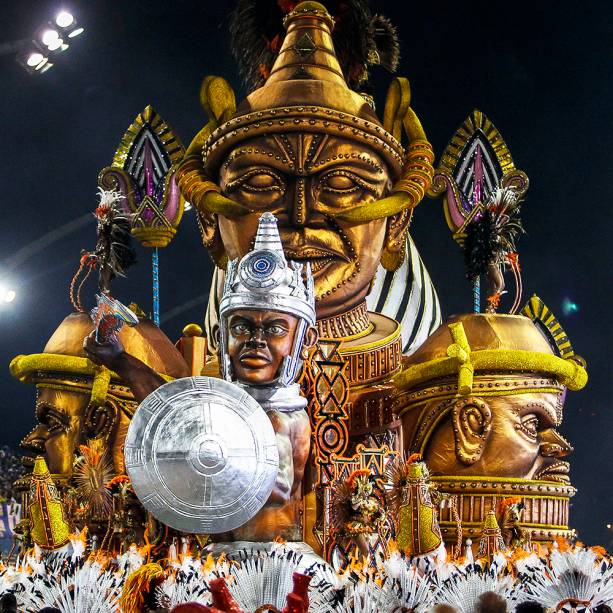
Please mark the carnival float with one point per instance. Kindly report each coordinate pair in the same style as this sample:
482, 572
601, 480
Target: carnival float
322, 441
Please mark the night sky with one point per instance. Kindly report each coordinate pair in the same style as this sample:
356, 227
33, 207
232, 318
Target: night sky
542, 71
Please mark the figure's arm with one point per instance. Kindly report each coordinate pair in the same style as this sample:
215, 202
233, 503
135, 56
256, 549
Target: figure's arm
139, 377
301, 445
282, 489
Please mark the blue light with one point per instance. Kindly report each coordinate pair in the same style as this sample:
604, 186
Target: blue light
569, 307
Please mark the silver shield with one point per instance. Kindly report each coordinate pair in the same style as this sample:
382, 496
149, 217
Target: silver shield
202, 455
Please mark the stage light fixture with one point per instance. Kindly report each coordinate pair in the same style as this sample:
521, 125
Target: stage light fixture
50, 37
50, 40
55, 45
34, 59
64, 19
7, 295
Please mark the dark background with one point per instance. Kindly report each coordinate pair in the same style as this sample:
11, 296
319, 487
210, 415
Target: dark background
541, 71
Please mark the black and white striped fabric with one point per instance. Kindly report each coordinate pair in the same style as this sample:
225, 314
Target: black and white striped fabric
406, 295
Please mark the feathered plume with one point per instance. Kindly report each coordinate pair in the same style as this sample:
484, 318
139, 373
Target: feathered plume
113, 253
114, 250
465, 586
72, 587
93, 471
361, 39
490, 244
575, 576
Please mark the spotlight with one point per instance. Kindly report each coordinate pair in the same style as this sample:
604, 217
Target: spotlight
64, 19
50, 37
34, 59
6, 295
55, 45
49, 42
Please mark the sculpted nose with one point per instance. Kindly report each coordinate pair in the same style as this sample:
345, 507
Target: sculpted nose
300, 208
303, 208
35, 440
257, 339
554, 445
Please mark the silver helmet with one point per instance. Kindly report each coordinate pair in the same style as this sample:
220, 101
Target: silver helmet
264, 280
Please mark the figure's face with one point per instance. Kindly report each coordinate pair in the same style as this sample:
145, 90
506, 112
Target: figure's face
257, 343
58, 433
306, 180
520, 440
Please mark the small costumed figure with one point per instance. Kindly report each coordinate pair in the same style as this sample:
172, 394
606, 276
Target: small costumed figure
49, 526
509, 515
357, 513
414, 514
490, 245
491, 541
113, 253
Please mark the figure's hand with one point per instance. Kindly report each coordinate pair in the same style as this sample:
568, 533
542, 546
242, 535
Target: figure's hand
104, 354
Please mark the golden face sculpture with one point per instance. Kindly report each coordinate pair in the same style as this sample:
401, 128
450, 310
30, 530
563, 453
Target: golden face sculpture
58, 434
307, 181
509, 436
65, 421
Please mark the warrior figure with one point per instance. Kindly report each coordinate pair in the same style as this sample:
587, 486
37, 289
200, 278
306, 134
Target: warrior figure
268, 318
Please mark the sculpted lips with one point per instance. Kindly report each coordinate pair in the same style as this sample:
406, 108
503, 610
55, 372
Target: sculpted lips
317, 258
319, 253
558, 471
255, 359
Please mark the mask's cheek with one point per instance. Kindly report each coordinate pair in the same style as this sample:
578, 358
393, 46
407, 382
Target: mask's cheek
237, 234
509, 449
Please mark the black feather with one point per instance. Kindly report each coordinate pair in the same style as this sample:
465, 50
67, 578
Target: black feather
254, 25
360, 39
385, 42
114, 250
481, 245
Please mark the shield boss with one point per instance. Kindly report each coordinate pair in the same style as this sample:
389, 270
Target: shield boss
202, 455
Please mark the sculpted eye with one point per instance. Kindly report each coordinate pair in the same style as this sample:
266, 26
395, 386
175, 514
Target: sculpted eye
529, 426
261, 181
342, 182
276, 330
239, 329
258, 180
51, 420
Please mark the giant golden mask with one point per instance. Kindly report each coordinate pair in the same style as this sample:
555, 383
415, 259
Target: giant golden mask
481, 400
310, 150
510, 436
329, 176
